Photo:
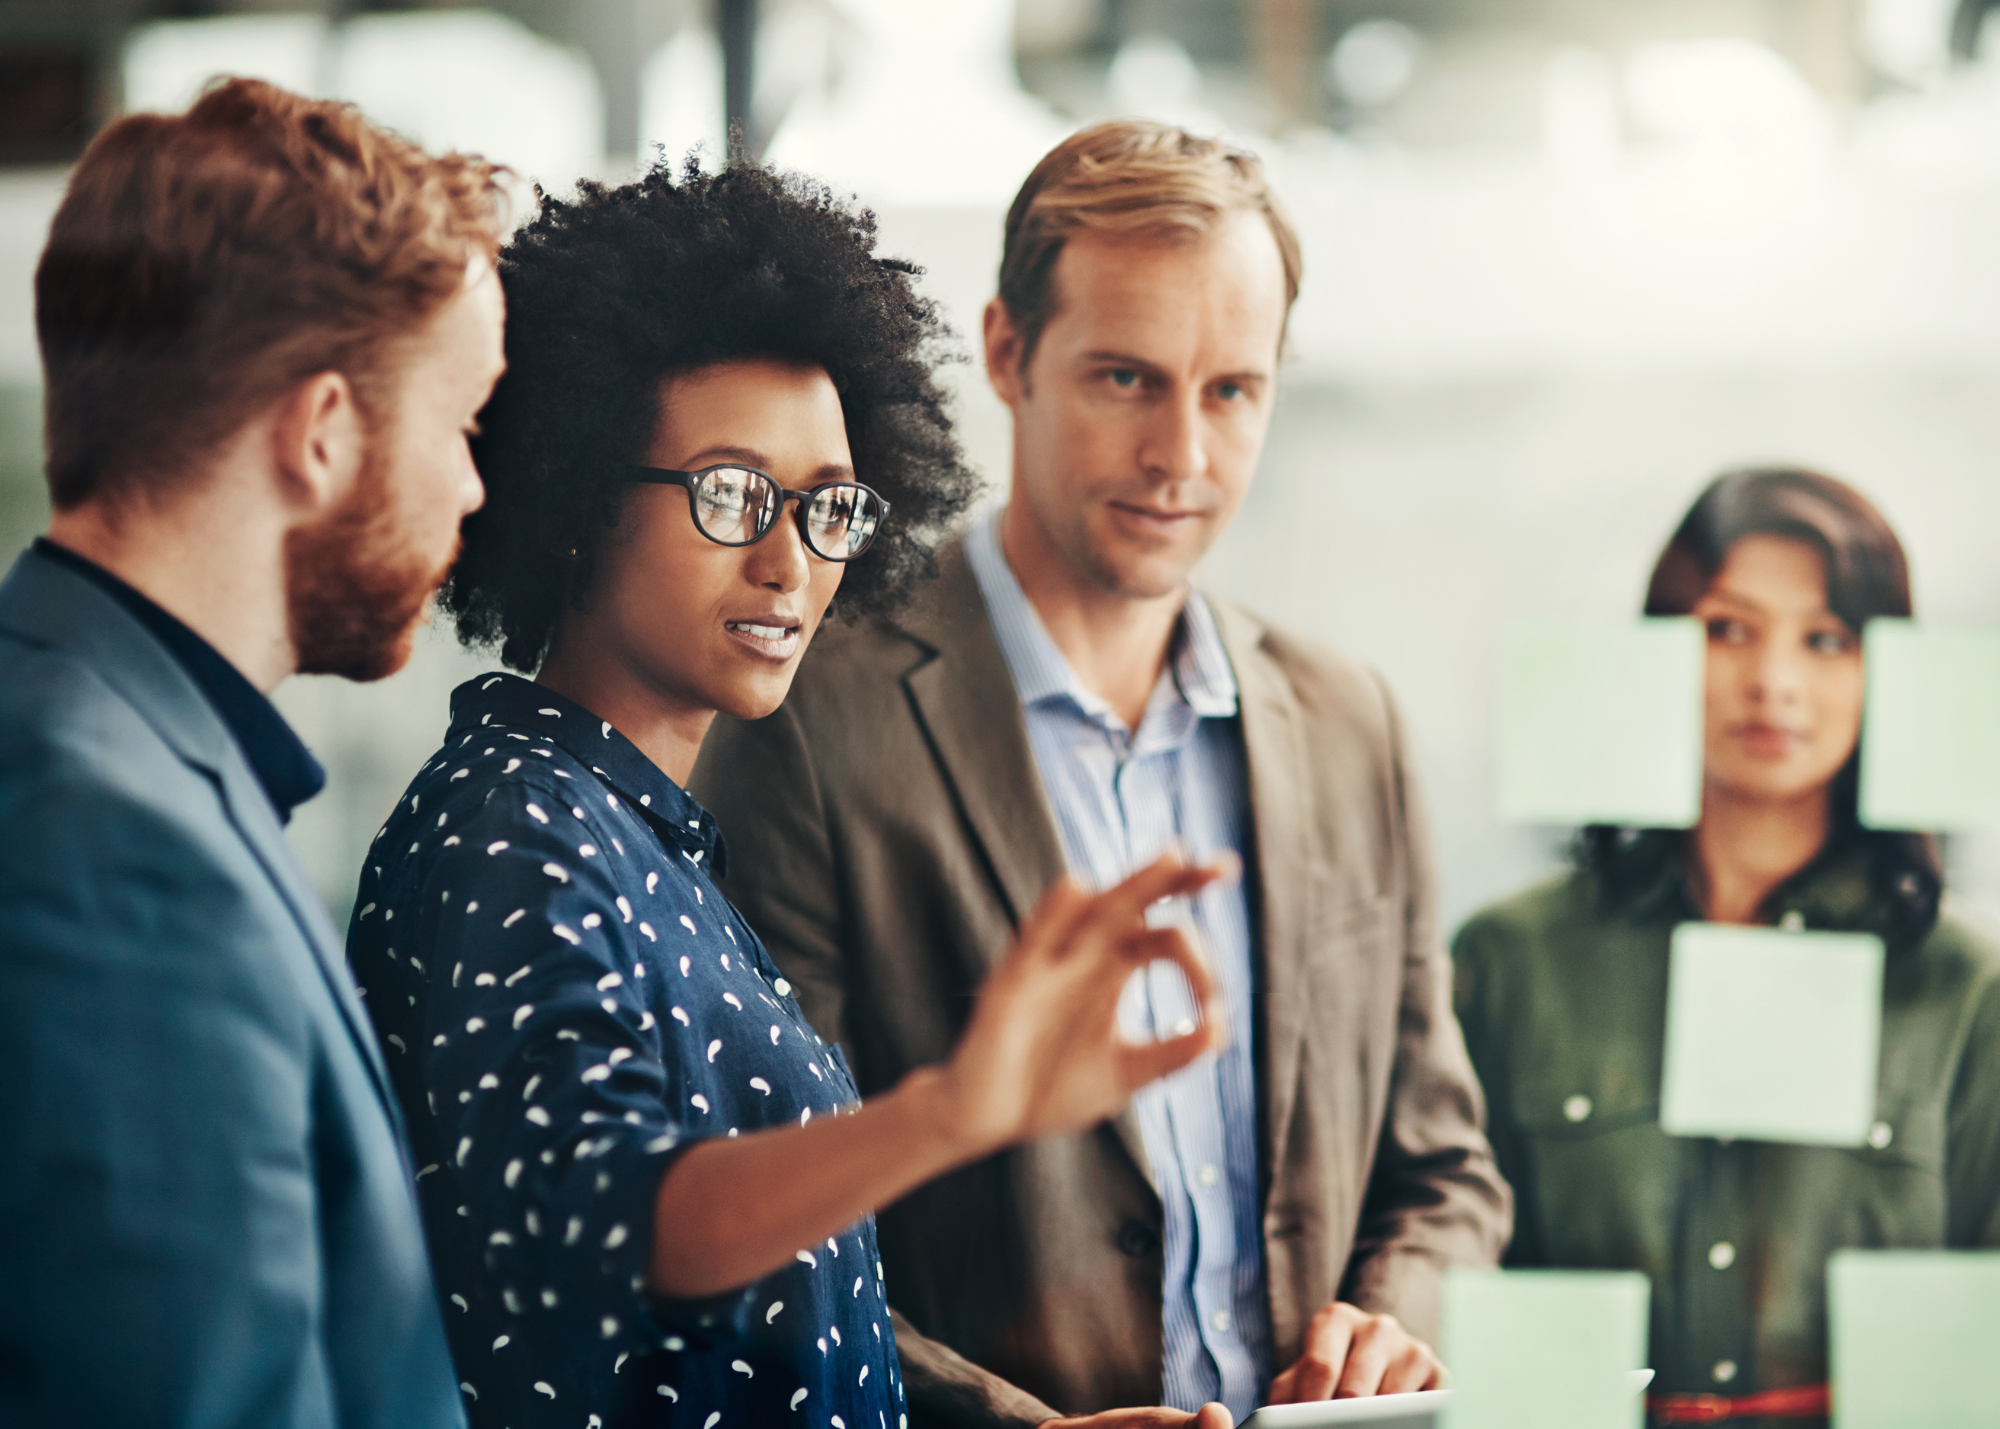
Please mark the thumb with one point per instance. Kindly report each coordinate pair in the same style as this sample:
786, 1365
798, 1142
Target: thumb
1212, 1416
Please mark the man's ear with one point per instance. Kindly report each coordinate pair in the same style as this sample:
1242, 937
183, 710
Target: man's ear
1003, 354
318, 442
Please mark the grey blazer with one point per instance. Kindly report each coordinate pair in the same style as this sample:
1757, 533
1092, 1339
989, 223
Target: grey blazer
887, 827
206, 1217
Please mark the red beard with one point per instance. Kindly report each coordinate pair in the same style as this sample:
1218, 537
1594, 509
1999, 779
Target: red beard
356, 587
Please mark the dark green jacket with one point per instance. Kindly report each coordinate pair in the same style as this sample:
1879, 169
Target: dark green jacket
1563, 1002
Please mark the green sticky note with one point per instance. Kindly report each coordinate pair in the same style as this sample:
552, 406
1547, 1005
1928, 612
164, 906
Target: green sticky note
1551, 1349
1602, 724
1930, 743
1772, 1036
1914, 1338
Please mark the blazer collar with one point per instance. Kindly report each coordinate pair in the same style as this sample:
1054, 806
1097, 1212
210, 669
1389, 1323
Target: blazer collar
283, 765
56, 608
1196, 661
48, 603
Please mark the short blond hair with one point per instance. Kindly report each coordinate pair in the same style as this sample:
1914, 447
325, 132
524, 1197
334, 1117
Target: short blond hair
1128, 176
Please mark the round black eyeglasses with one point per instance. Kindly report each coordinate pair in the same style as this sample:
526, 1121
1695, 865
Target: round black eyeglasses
738, 505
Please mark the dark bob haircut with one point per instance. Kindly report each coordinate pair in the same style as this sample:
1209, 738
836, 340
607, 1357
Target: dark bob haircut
1866, 576
624, 287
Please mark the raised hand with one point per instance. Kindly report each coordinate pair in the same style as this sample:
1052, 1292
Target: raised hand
1043, 1055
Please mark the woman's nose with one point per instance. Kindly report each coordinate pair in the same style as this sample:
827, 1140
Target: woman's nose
780, 561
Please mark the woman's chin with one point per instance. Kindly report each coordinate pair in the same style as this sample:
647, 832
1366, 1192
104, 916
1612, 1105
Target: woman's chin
1767, 784
755, 696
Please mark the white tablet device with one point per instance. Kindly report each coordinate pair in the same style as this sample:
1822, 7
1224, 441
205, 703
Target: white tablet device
1391, 1411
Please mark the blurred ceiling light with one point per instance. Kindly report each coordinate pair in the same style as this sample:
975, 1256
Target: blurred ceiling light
1908, 40
450, 79
1154, 76
1725, 94
680, 98
798, 54
165, 64
472, 80
1374, 62
927, 110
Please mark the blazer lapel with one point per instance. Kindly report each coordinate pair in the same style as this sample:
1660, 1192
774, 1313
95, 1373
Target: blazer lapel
48, 603
965, 700
1286, 858
250, 810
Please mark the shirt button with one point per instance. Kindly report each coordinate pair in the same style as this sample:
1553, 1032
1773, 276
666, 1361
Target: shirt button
1722, 1255
1183, 1027
1577, 1108
1220, 1321
1208, 1175
782, 988
1793, 922
1880, 1135
1724, 1371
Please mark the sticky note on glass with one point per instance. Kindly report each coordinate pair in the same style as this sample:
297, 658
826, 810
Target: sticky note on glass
1554, 1349
1913, 1338
1930, 745
1602, 724
1772, 1036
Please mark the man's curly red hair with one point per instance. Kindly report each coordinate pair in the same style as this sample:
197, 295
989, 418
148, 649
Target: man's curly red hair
202, 264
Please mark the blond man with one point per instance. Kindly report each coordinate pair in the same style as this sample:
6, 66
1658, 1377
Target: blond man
1273, 1224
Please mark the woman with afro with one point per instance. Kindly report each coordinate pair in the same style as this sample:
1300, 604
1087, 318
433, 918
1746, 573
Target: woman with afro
645, 1180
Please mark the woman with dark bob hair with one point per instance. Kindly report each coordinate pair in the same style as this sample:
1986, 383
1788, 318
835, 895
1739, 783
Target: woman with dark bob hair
646, 1181
1562, 990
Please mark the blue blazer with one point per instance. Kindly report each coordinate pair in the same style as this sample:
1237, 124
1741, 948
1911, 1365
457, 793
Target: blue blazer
206, 1215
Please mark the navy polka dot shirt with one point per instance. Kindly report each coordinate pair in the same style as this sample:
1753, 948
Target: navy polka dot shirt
567, 1003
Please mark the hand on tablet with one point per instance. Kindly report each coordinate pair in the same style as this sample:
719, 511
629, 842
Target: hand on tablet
1351, 1353
1209, 1416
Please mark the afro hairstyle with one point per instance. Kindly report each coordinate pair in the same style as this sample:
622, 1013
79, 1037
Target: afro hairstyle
612, 293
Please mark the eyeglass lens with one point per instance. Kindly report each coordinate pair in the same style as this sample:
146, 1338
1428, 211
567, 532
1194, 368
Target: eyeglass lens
735, 505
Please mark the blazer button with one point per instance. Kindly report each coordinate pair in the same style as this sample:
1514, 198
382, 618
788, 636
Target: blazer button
1136, 1238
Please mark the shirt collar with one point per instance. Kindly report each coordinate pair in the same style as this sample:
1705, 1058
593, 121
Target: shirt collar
284, 767
1199, 666
503, 702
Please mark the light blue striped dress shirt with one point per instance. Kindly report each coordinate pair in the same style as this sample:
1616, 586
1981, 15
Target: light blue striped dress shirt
1121, 797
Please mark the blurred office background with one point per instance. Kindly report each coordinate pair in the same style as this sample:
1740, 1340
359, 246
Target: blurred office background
1565, 260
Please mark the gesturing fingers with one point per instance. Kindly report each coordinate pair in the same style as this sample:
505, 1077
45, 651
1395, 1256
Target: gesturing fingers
1063, 906
1171, 945
1122, 907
